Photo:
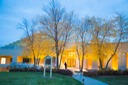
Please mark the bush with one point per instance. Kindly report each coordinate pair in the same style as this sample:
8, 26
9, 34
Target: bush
35, 69
100, 72
63, 72
90, 74
109, 72
26, 69
125, 72
13, 70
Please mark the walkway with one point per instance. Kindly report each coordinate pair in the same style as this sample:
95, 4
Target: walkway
87, 80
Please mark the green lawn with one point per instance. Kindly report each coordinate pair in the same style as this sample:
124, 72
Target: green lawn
35, 78
114, 80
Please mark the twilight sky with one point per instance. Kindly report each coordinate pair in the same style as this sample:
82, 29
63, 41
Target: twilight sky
13, 11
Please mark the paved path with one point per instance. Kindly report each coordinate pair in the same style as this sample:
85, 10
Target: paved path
87, 80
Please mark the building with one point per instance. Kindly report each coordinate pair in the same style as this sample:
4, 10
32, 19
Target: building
12, 53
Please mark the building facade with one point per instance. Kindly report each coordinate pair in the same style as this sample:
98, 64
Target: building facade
12, 53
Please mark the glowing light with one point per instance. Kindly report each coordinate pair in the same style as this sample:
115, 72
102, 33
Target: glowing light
127, 60
20, 59
115, 62
89, 64
3, 60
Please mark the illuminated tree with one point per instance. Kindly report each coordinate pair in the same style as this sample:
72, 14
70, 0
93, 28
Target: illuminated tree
108, 34
83, 37
68, 26
34, 43
57, 25
102, 32
121, 23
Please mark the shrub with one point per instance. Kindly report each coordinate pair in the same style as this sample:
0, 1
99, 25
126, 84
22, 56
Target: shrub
100, 72
105, 72
90, 74
15, 70
108, 72
26, 69
125, 72
33, 69
64, 72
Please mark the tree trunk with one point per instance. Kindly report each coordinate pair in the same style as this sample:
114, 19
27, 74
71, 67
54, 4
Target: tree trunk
113, 53
108, 63
34, 61
60, 61
57, 54
82, 63
100, 67
38, 61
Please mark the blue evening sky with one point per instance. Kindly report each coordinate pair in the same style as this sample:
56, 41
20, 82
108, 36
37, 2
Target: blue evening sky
13, 11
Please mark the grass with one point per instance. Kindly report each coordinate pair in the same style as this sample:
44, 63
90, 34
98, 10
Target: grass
114, 80
35, 78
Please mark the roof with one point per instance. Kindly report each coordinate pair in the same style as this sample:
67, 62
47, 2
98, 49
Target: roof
16, 44
123, 47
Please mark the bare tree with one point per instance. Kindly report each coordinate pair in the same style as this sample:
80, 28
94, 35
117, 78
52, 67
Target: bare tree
68, 25
105, 33
57, 26
83, 38
32, 41
102, 32
121, 23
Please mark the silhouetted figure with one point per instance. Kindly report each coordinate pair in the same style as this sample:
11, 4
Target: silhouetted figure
65, 64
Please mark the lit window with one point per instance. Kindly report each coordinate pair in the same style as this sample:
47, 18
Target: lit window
3, 60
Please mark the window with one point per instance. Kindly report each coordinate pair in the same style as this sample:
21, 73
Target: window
3, 60
26, 60
71, 60
10, 59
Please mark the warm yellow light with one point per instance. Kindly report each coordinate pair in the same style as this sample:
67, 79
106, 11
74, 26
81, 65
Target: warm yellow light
127, 61
3, 60
115, 62
89, 64
19, 59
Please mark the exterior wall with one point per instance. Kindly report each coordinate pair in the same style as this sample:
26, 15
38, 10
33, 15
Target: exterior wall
11, 52
77, 64
95, 65
126, 60
0, 60
122, 61
41, 61
114, 63
89, 64
7, 59
4, 65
